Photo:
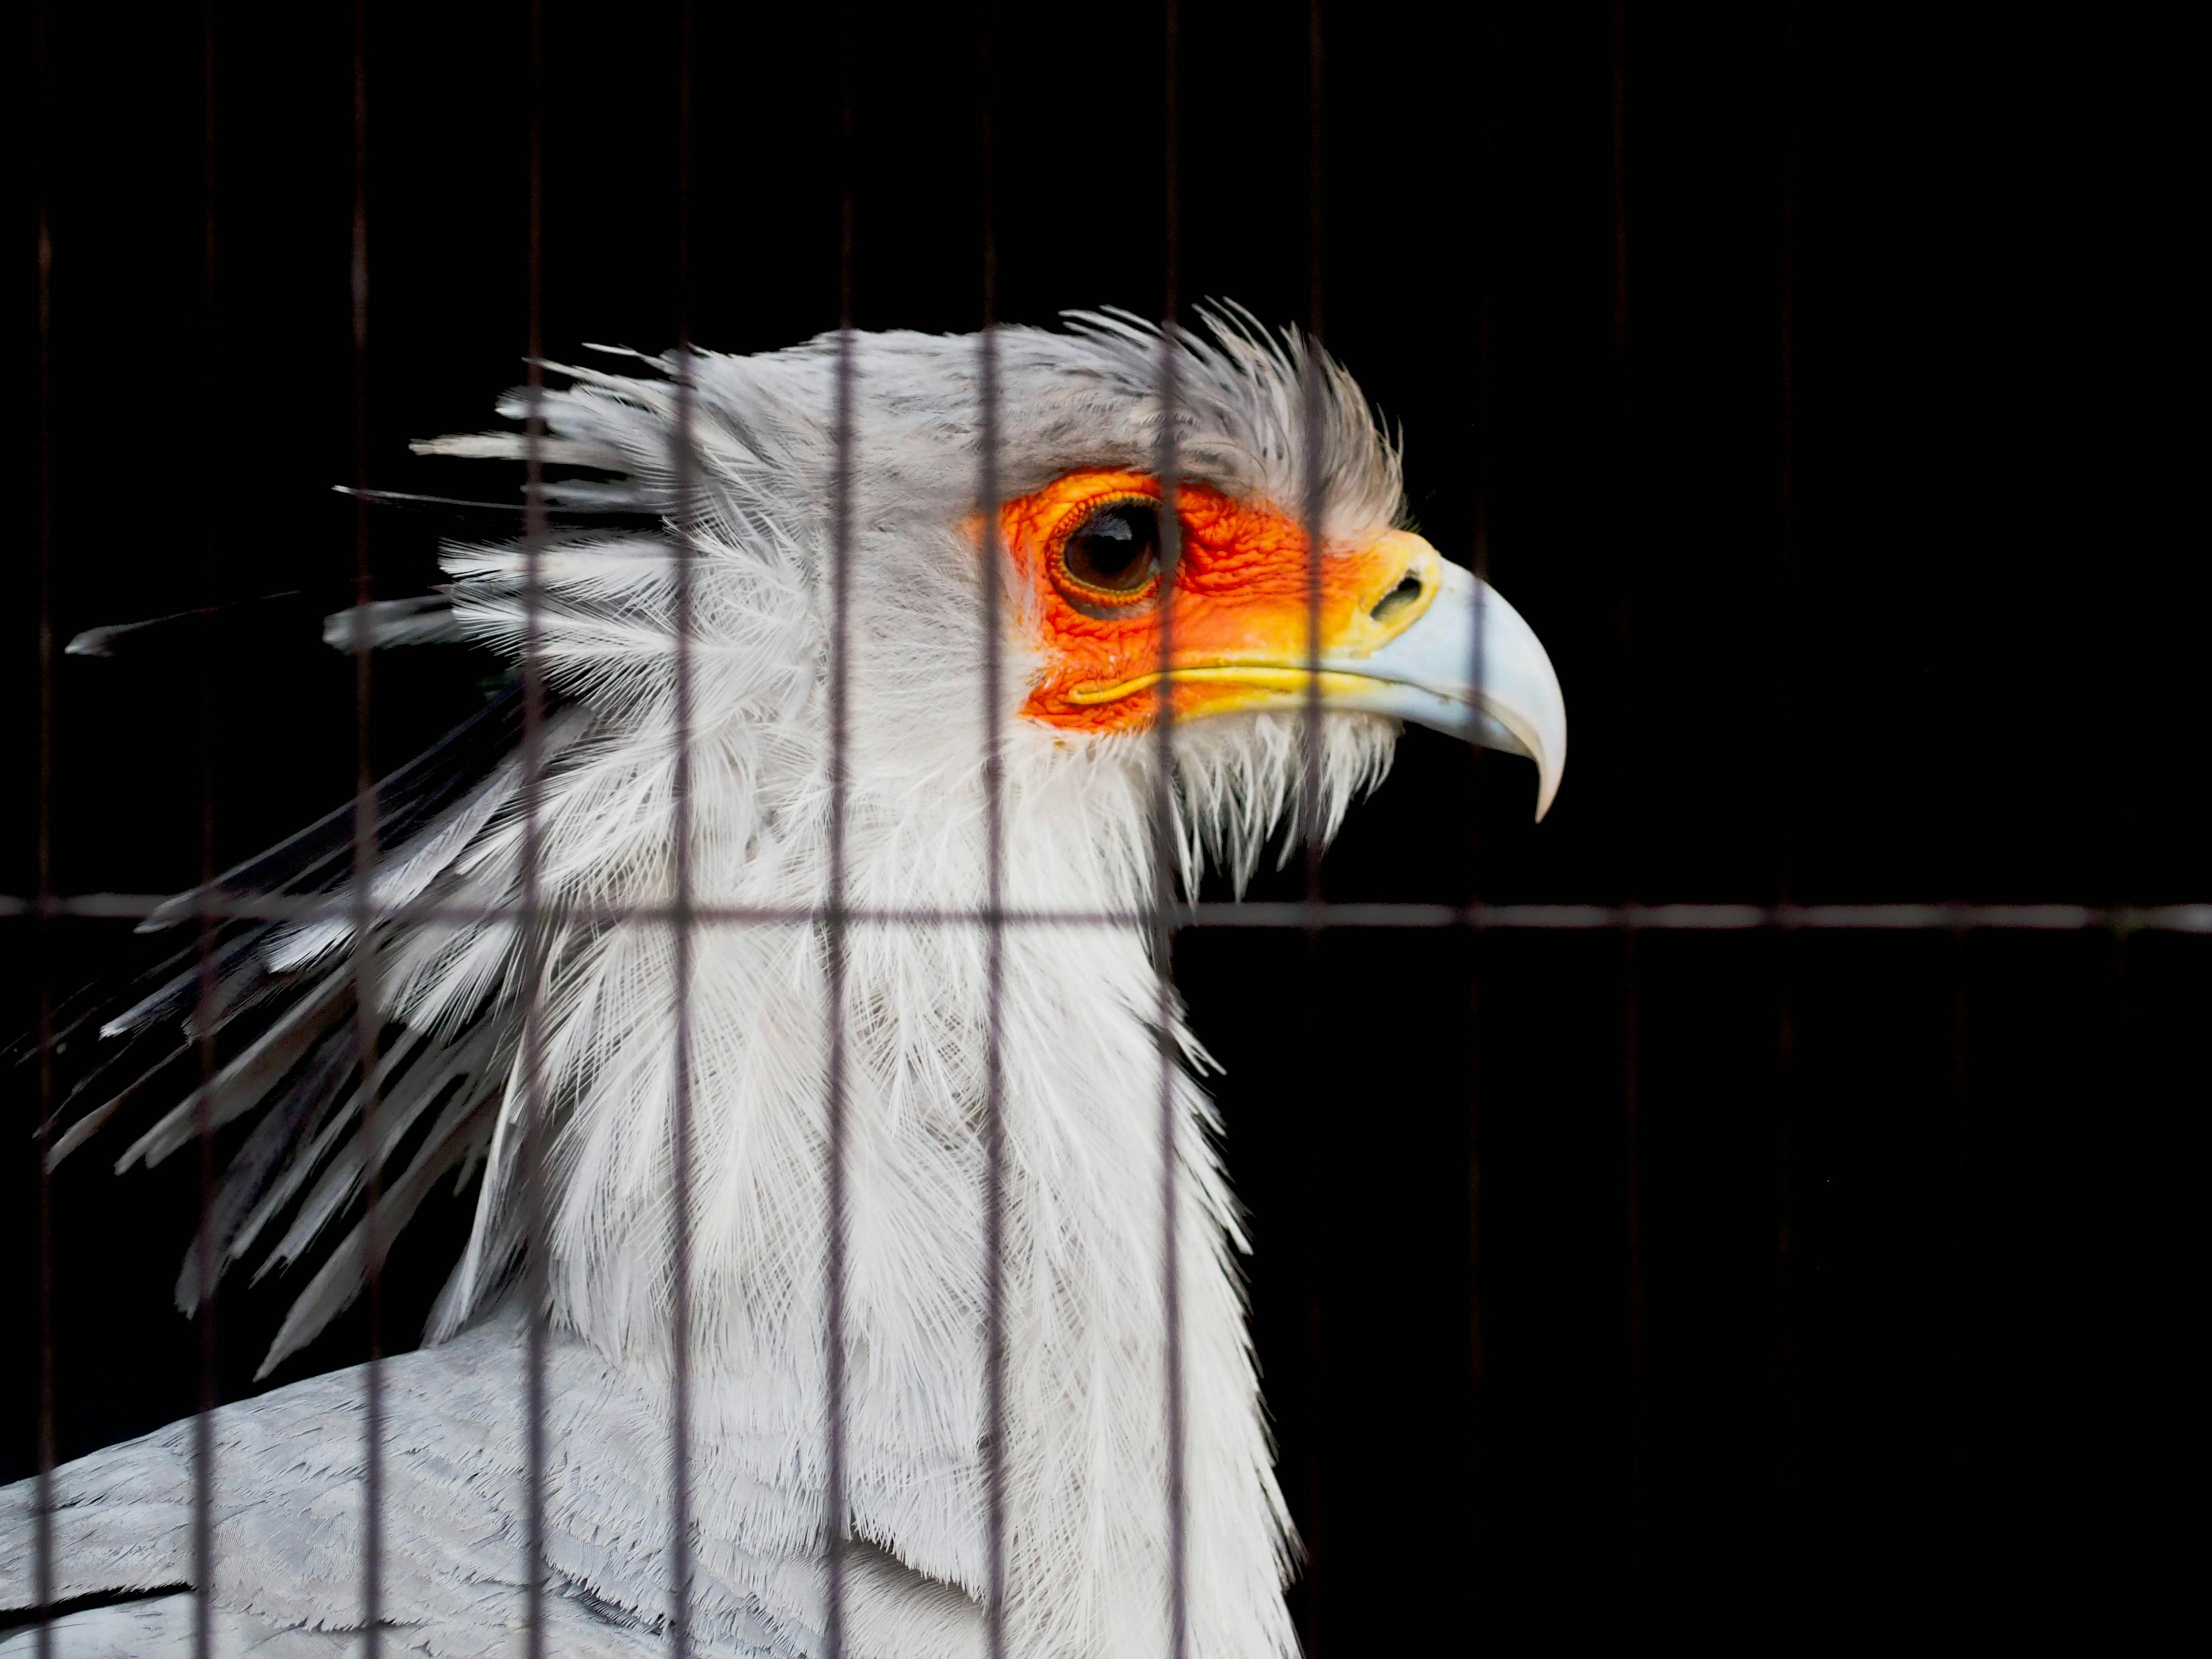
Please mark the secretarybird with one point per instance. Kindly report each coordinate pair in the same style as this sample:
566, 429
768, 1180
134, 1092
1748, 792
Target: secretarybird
1092, 561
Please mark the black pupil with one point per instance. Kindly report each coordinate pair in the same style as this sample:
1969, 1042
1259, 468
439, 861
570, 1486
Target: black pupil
1117, 548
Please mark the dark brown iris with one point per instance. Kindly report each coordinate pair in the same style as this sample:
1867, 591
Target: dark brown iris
1115, 551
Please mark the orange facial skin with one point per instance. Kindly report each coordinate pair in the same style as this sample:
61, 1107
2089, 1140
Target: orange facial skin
1238, 607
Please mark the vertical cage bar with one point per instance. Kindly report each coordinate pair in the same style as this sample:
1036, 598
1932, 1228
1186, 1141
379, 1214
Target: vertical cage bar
1476, 946
1165, 848
204, 1010
1785, 957
1962, 1111
364, 874
1478, 561
1631, 1128
43, 1493
1314, 485
840, 533
532, 923
684, 547
994, 927
1786, 443
1785, 1060
1312, 827
1631, 1107
1619, 182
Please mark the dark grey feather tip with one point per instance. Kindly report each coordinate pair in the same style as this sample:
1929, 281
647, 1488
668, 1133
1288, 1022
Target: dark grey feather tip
425, 619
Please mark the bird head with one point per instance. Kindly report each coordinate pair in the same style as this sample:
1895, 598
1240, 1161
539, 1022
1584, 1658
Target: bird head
1205, 526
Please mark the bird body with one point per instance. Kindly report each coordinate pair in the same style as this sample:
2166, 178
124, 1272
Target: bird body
289, 1542
556, 864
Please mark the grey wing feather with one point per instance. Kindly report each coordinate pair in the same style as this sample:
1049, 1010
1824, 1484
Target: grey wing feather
283, 1007
246, 1082
462, 1130
156, 1626
426, 619
287, 1540
407, 799
268, 1150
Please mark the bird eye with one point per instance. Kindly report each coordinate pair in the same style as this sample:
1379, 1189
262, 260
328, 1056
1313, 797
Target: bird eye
1114, 553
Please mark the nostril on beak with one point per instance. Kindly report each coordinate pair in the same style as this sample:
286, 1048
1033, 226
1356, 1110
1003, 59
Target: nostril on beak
1407, 591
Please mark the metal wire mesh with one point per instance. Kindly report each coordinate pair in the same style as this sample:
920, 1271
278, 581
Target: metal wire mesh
834, 919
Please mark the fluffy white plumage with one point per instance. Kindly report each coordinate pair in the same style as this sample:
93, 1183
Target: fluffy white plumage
1085, 1414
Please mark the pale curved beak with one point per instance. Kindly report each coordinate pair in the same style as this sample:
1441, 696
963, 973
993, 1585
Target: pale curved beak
1503, 695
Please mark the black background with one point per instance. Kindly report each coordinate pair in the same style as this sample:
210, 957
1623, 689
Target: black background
1908, 1204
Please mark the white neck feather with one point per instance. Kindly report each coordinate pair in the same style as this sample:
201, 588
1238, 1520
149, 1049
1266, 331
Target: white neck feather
1078, 1043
